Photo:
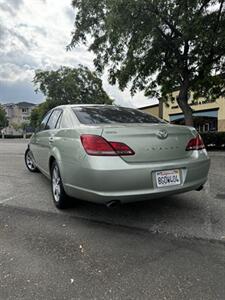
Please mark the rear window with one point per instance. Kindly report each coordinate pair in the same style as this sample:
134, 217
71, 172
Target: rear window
112, 115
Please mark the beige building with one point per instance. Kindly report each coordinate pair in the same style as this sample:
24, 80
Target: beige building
18, 113
155, 110
208, 115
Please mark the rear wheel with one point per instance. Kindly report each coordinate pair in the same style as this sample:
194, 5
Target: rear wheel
60, 198
29, 161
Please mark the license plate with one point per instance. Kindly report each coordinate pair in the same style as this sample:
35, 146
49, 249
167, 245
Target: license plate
168, 178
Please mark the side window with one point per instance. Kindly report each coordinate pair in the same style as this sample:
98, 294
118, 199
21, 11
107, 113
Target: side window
51, 124
58, 124
44, 121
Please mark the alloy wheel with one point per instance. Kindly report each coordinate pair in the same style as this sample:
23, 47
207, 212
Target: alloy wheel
30, 162
56, 184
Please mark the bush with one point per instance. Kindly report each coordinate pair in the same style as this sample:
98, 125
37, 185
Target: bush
214, 140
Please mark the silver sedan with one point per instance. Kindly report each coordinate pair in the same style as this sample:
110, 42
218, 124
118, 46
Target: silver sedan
109, 154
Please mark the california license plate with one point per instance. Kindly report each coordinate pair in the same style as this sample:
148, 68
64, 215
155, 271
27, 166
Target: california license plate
168, 178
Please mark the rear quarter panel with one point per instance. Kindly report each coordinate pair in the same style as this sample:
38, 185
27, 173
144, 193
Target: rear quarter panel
70, 154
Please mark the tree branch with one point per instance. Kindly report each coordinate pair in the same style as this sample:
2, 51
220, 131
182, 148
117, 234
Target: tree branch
169, 42
168, 23
219, 14
203, 6
210, 59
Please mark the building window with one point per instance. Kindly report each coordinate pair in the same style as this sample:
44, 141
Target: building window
24, 110
206, 127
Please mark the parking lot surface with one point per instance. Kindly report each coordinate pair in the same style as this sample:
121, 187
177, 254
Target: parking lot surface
170, 248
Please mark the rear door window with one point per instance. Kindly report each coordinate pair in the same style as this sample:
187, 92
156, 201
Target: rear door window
58, 124
51, 124
113, 115
44, 121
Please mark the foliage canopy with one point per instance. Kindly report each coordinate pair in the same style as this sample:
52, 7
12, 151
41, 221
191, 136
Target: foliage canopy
67, 86
157, 45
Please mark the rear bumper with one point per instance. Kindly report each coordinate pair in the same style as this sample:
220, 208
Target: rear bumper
134, 182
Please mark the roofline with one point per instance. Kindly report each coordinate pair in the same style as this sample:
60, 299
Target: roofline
149, 106
79, 105
18, 103
201, 110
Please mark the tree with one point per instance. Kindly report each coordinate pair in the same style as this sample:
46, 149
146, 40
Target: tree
157, 45
71, 86
3, 118
67, 86
38, 113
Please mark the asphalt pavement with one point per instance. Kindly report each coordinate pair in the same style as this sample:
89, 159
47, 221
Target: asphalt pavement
171, 248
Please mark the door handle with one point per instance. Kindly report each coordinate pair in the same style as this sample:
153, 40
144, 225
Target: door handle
51, 139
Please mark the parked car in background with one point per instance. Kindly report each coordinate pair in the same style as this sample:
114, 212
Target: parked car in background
109, 154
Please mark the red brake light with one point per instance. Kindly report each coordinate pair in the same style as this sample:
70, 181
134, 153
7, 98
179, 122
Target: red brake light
98, 146
195, 144
121, 149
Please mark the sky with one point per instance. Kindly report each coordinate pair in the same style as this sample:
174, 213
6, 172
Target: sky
34, 35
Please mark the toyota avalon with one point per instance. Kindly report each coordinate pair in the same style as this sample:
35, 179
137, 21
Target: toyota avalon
109, 154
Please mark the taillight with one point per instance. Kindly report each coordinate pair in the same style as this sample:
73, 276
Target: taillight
98, 146
195, 144
121, 149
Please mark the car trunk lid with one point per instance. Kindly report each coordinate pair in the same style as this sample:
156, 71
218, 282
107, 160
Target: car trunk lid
151, 142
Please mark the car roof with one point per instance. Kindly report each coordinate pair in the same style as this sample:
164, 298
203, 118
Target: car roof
87, 105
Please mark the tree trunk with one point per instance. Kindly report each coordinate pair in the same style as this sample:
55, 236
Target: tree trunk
182, 100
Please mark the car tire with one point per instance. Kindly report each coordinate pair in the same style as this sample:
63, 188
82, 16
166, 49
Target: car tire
29, 161
60, 198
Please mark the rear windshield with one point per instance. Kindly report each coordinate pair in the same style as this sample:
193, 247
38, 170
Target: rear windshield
112, 115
